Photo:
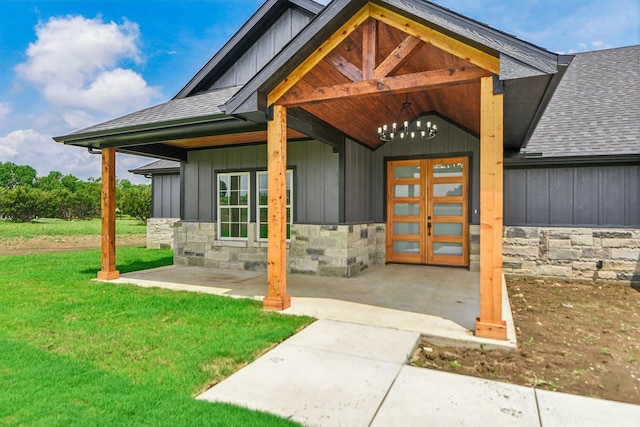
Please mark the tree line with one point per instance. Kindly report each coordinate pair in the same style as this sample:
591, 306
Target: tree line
24, 196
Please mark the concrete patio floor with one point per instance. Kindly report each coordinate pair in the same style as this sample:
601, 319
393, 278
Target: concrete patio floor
438, 302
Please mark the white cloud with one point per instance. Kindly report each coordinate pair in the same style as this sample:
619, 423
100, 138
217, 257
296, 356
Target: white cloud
16, 141
78, 119
5, 109
77, 62
38, 150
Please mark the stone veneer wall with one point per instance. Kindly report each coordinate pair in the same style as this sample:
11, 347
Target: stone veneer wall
572, 253
336, 250
160, 232
333, 250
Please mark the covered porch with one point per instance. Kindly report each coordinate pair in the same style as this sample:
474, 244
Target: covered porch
341, 78
437, 302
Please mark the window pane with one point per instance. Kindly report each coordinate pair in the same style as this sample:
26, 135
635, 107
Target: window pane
406, 247
264, 231
447, 209
444, 190
262, 216
406, 228
447, 229
412, 190
233, 212
406, 209
447, 248
406, 172
447, 170
262, 182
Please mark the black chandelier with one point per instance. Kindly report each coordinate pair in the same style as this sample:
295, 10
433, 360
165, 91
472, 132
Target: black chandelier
414, 131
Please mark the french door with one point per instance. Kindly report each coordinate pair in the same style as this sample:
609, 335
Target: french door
427, 212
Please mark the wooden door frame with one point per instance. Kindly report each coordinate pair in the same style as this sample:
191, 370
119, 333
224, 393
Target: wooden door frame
424, 202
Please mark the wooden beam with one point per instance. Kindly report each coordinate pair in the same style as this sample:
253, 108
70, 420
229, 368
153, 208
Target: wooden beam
436, 38
425, 80
344, 66
108, 243
369, 48
490, 323
332, 42
277, 298
400, 55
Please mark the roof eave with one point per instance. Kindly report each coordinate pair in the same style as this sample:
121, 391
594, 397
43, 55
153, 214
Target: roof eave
173, 126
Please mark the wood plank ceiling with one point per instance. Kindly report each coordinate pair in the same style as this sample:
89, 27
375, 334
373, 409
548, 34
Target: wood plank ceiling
399, 55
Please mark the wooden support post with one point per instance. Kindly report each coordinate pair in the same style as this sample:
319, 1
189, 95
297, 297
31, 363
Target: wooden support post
490, 323
108, 271
277, 298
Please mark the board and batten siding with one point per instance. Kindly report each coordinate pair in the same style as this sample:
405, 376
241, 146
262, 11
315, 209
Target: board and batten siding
316, 179
579, 196
357, 181
264, 49
165, 196
450, 141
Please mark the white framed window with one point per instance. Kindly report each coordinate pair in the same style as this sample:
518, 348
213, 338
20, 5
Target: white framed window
262, 201
233, 205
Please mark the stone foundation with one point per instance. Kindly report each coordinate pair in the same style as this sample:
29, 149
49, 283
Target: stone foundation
474, 248
160, 232
329, 250
336, 250
595, 254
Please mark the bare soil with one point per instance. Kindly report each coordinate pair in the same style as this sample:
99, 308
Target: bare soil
43, 244
578, 338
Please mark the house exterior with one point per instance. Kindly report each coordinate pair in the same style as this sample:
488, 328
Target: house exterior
286, 153
572, 195
165, 201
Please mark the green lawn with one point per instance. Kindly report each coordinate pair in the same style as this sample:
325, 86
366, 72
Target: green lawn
58, 227
76, 352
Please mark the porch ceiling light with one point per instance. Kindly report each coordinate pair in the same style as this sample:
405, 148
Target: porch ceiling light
409, 131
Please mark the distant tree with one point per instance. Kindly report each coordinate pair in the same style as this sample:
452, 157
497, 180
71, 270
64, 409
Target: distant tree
25, 203
136, 202
12, 175
53, 181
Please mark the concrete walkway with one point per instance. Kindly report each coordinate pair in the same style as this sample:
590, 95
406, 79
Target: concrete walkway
343, 374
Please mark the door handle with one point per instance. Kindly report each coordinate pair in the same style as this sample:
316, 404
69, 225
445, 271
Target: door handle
429, 228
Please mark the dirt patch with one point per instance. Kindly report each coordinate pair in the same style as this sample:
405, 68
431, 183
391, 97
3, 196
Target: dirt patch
574, 338
43, 244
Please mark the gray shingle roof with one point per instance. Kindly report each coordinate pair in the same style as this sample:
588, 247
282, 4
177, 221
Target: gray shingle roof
595, 109
159, 166
176, 110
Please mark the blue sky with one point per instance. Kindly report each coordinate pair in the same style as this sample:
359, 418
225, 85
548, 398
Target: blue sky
65, 65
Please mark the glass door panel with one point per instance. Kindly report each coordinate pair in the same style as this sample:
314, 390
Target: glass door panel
447, 209
403, 247
406, 209
447, 240
406, 228
406, 190
410, 171
447, 229
447, 249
